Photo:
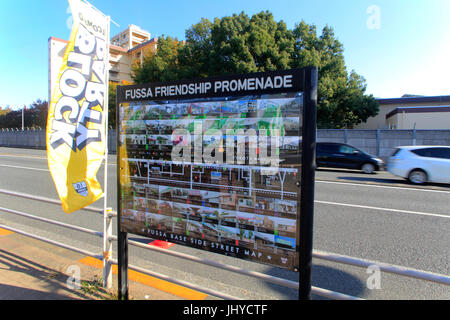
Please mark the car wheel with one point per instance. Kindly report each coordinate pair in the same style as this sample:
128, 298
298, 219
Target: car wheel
417, 176
368, 168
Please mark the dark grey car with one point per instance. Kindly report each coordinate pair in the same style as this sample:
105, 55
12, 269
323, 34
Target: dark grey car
341, 155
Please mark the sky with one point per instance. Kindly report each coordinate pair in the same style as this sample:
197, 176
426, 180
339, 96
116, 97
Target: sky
399, 46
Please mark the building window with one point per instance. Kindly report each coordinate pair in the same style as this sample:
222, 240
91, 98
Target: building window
114, 74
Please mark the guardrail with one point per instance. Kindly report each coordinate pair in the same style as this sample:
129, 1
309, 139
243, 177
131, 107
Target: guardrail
399, 270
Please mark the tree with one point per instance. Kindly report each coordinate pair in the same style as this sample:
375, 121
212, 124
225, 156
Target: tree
161, 65
112, 104
35, 116
240, 44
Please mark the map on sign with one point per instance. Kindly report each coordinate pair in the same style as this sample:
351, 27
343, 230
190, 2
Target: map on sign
219, 174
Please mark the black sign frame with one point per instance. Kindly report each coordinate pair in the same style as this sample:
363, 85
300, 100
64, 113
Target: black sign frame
295, 80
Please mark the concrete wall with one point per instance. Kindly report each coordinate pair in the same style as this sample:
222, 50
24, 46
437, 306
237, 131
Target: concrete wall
23, 139
37, 140
381, 143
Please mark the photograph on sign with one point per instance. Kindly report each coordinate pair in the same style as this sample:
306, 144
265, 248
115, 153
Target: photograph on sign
216, 173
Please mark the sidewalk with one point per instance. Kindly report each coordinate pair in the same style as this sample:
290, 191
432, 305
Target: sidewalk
35, 270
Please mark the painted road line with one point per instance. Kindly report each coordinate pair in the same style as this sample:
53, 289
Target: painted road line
382, 186
26, 168
150, 281
382, 209
4, 232
21, 156
36, 157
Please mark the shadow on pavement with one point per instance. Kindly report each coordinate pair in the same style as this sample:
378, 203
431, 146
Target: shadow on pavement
38, 281
377, 180
336, 280
346, 171
323, 277
17, 293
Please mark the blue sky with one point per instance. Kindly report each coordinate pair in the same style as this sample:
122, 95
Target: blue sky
408, 53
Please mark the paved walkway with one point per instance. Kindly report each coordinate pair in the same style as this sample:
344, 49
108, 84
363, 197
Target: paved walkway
35, 270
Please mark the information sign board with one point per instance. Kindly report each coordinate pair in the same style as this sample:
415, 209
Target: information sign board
216, 163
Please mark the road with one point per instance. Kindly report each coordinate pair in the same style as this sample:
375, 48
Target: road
377, 217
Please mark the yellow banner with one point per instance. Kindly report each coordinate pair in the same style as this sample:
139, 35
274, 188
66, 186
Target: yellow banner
77, 116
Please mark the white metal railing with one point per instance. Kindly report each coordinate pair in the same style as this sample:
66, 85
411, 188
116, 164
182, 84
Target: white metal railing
389, 268
56, 243
54, 222
44, 199
409, 272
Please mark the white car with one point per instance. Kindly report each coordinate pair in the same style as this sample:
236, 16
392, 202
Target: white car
421, 164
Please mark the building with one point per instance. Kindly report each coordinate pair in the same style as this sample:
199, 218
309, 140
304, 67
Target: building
416, 112
126, 49
422, 117
130, 37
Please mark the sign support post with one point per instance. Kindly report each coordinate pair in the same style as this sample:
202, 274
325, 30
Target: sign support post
307, 184
122, 257
122, 237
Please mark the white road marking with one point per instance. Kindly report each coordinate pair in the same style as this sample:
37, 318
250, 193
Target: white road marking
382, 209
382, 186
26, 168
23, 156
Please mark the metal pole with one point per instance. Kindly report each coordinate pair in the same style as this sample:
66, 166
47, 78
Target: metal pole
107, 226
122, 237
107, 249
307, 182
122, 262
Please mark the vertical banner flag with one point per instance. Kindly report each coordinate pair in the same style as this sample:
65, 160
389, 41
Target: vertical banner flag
77, 116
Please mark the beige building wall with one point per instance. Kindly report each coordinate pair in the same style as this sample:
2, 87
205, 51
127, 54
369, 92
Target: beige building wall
392, 122
379, 121
130, 37
120, 65
137, 54
422, 120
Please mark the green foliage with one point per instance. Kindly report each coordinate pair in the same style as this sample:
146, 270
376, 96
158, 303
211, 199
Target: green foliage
35, 116
242, 44
159, 66
112, 105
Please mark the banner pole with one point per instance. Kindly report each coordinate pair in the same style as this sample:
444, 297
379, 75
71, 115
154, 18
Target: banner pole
107, 220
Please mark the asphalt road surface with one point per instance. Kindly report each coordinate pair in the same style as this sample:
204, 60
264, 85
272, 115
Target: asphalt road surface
377, 217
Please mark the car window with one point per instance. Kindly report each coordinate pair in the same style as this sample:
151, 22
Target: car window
327, 148
443, 153
422, 152
346, 149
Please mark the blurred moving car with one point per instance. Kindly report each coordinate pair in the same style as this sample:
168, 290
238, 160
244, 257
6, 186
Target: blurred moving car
341, 155
421, 164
